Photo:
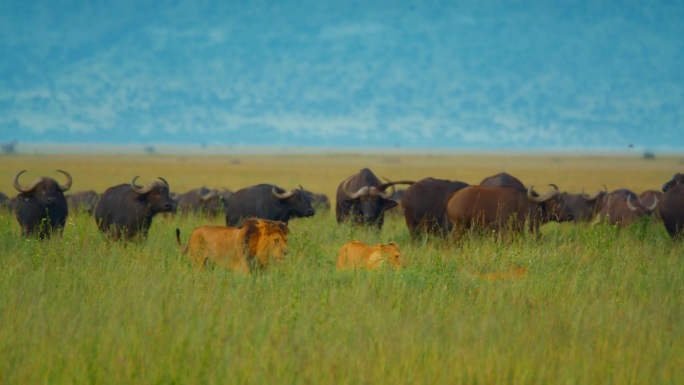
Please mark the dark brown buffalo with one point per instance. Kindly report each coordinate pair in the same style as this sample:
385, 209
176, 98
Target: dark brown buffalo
203, 201
320, 202
82, 201
41, 207
502, 179
584, 207
678, 178
504, 208
125, 211
267, 201
671, 206
363, 199
622, 207
648, 197
425, 204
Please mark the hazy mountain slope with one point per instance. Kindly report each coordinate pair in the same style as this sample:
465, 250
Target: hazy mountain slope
489, 75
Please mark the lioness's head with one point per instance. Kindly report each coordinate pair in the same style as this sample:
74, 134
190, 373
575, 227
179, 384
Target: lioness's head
383, 254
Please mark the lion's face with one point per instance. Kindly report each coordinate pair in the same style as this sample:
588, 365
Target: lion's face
267, 240
272, 245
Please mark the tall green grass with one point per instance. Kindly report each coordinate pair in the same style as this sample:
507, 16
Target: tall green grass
598, 305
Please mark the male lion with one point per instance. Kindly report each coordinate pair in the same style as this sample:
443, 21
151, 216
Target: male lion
242, 249
355, 254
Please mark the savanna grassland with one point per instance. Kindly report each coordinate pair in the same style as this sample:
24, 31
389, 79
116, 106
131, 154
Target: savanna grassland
597, 304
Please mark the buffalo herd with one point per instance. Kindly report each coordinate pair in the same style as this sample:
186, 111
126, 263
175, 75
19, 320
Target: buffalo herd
430, 206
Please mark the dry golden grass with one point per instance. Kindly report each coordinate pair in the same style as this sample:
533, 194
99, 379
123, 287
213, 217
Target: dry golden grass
322, 173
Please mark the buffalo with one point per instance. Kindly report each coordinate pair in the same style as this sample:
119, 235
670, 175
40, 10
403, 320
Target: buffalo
671, 206
502, 179
622, 207
320, 202
267, 201
242, 249
677, 179
41, 207
504, 208
363, 199
424, 205
4, 201
203, 200
584, 206
126, 211
83, 201
648, 197
355, 255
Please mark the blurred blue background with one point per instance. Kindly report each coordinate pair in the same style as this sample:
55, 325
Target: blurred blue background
495, 75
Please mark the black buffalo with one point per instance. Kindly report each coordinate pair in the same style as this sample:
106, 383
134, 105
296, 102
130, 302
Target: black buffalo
671, 206
678, 178
83, 201
425, 203
41, 208
203, 201
319, 201
267, 201
363, 199
126, 211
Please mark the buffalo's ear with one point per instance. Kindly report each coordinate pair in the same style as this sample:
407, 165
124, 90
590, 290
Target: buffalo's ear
389, 204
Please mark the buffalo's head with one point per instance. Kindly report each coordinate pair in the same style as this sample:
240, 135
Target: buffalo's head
44, 190
372, 200
295, 200
553, 205
676, 179
156, 195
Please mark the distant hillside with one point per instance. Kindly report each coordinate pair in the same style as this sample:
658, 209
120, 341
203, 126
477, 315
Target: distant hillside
470, 75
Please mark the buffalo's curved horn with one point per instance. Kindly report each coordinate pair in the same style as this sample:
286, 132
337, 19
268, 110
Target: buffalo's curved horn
141, 190
284, 195
592, 197
21, 188
365, 190
543, 197
654, 205
554, 186
382, 188
164, 180
630, 204
144, 190
66, 186
208, 195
